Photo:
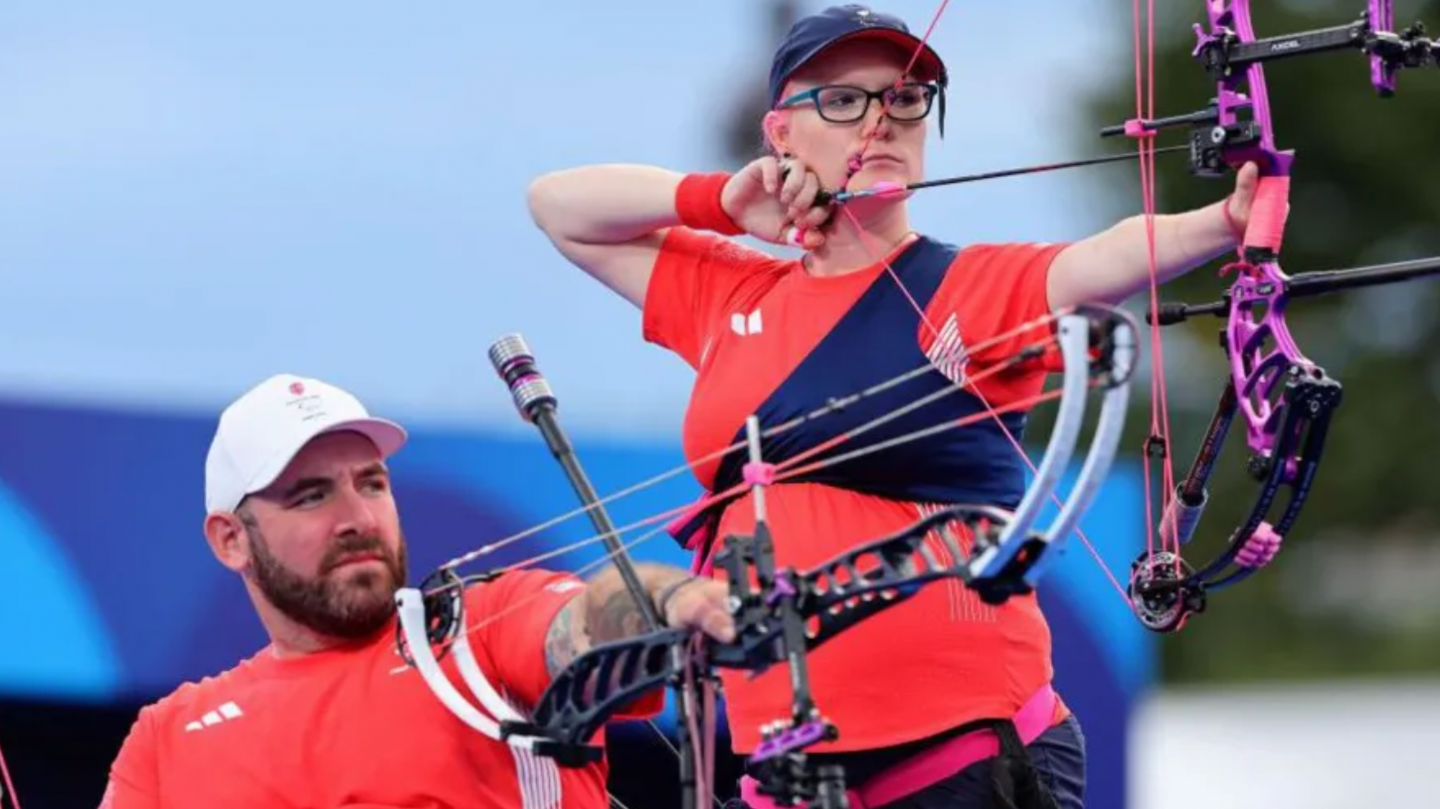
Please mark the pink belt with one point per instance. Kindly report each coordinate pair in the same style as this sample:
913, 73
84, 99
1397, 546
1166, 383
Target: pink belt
935, 764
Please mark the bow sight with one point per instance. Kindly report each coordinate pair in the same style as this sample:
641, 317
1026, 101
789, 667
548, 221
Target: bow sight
1217, 141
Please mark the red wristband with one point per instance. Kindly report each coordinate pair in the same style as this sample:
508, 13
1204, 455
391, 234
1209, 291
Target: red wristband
697, 203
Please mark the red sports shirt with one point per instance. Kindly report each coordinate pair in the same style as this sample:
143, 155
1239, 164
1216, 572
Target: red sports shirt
356, 728
767, 338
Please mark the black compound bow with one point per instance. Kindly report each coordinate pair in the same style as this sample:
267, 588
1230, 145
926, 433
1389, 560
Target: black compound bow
781, 614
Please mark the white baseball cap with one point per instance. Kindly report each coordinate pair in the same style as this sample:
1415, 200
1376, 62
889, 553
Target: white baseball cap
262, 431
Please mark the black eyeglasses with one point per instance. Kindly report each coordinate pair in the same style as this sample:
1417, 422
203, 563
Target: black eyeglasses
843, 104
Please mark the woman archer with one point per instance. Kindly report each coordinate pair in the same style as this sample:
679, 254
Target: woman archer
942, 701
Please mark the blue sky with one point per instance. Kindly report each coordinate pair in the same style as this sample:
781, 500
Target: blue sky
197, 196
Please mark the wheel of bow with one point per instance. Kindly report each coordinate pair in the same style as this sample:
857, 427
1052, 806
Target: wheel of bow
1285, 399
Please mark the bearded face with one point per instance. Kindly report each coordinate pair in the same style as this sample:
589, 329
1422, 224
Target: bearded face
351, 596
322, 544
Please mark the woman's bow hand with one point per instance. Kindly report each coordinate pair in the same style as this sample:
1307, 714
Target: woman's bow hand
1240, 203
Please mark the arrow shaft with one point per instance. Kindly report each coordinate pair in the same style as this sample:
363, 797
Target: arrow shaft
844, 196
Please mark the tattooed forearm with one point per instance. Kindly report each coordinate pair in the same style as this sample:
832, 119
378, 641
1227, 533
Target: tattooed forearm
616, 616
564, 640
611, 612
605, 612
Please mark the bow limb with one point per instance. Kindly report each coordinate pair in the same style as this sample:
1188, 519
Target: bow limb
1040, 494
1014, 563
410, 605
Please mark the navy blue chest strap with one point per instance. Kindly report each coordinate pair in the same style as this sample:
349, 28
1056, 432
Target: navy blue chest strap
877, 340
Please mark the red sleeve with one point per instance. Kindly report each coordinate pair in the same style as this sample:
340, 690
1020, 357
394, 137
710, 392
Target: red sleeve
695, 276
514, 613
134, 776
527, 602
981, 315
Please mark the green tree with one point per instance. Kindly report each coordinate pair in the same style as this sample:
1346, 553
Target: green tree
1362, 194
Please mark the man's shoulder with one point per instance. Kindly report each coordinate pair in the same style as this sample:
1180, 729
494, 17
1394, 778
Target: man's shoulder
197, 704
523, 581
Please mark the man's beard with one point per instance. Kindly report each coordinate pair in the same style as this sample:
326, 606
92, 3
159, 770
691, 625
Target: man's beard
353, 608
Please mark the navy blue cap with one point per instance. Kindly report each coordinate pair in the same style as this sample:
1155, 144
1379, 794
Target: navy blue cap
813, 34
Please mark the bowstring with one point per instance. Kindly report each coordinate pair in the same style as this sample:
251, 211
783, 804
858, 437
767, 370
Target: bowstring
9, 784
636, 488
703, 749
853, 166
990, 410
785, 470
1017, 406
1159, 399
953, 355
877, 254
